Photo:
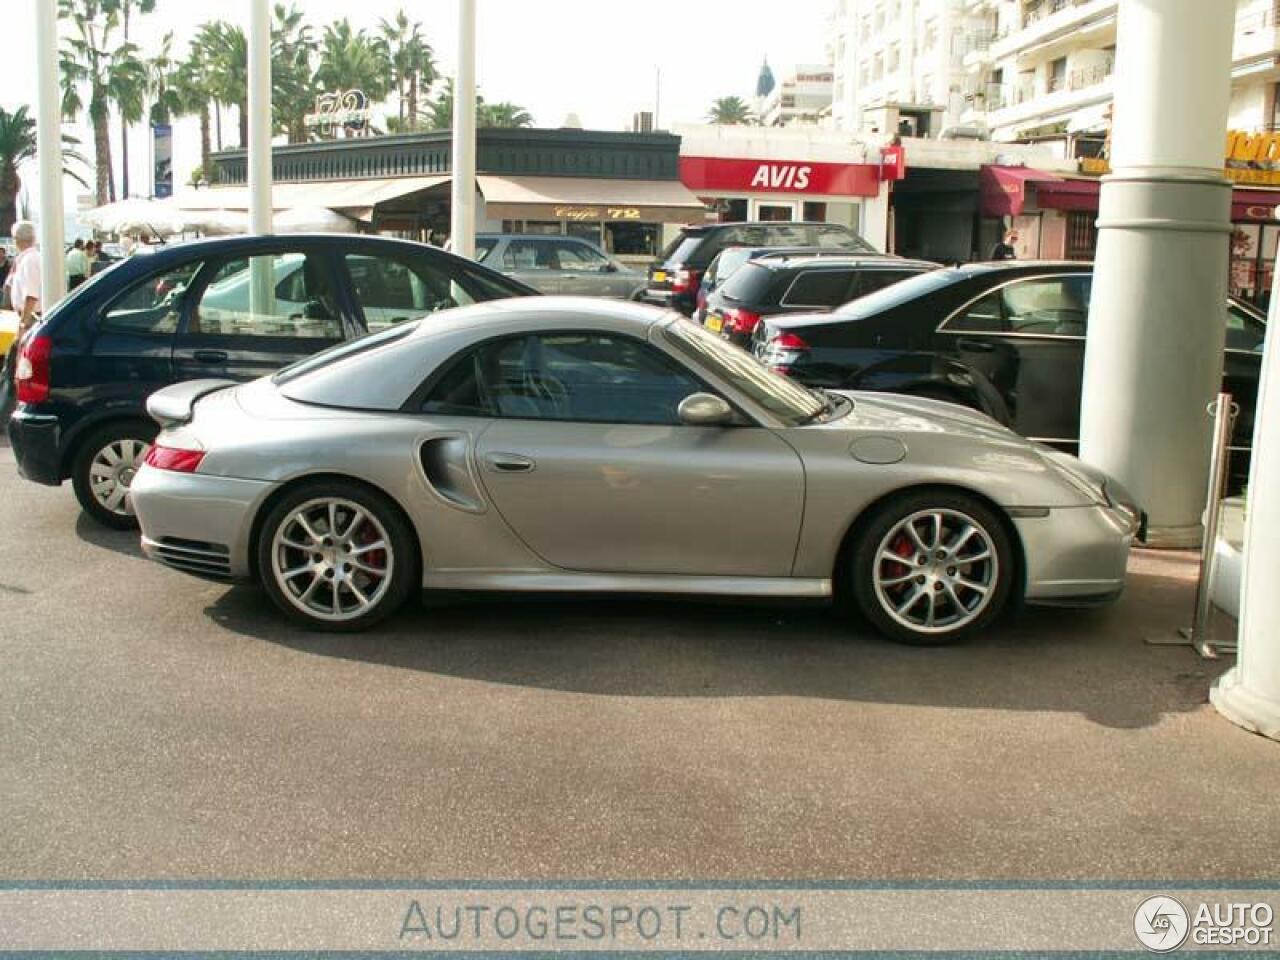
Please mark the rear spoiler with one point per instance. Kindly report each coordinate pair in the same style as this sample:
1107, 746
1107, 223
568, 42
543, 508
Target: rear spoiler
173, 404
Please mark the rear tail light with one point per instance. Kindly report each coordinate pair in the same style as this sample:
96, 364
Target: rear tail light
684, 280
740, 321
783, 350
174, 458
32, 374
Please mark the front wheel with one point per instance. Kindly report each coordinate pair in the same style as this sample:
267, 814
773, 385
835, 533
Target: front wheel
103, 470
336, 556
933, 567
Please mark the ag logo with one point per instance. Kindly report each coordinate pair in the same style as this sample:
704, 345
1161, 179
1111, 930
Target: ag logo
1161, 924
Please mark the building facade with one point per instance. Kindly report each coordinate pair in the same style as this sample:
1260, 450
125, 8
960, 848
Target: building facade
800, 98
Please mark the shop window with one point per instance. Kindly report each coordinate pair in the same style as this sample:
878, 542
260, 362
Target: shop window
588, 230
634, 239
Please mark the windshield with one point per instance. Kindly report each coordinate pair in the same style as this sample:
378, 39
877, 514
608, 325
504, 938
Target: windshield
679, 249
784, 398
898, 293
729, 261
749, 285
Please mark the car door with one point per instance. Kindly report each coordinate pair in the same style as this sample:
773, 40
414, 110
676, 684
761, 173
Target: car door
253, 314
590, 466
531, 260
586, 272
1027, 338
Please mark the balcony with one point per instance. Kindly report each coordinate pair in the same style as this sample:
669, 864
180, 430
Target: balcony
1025, 102
1048, 20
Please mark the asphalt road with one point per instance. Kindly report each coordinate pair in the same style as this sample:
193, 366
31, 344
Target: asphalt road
153, 726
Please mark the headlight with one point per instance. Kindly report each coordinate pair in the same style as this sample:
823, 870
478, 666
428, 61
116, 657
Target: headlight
1120, 498
1090, 482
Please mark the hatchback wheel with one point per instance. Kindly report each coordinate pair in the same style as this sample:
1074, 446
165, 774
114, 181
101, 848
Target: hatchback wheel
103, 470
933, 567
336, 556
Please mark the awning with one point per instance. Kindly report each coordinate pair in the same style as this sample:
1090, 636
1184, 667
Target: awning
1254, 204
1068, 194
1003, 190
351, 196
588, 198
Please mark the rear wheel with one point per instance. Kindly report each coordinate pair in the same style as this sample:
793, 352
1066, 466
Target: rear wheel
104, 467
336, 556
933, 567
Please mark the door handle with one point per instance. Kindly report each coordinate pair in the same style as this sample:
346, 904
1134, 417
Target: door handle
210, 356
977, 346
508, 463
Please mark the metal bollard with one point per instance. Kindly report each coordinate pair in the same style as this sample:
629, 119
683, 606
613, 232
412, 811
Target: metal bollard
1224, 412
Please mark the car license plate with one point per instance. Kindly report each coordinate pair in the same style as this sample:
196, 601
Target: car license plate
715, 322
659, 276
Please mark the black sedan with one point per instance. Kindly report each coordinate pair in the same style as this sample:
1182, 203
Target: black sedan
1005, 338
232, 308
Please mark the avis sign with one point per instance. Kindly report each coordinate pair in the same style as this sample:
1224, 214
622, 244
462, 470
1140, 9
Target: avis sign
728, 175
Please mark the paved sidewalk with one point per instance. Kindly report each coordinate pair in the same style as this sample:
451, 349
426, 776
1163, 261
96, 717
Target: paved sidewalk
160, 727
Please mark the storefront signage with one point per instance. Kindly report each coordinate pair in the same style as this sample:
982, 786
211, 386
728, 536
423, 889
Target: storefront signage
738, 175
1248, 158
344, 109
597, 213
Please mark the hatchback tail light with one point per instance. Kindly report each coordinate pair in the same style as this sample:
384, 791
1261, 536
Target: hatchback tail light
174, 458
740, 321
783, 350
684, 280
32, 374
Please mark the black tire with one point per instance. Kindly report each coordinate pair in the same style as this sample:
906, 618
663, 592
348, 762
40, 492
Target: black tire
120, 432
401, 560
948, 580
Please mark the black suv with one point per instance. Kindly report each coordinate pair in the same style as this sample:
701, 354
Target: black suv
675, 276
798, 284
232, 308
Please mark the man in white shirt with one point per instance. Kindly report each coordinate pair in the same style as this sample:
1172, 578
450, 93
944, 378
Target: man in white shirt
77, 265
24, 279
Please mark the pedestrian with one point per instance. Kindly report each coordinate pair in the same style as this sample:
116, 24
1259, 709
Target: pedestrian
1004, 249
77, 265
5, 266
24, 298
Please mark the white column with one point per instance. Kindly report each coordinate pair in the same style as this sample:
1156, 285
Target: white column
1153, 359
462, 231
53, 270
259, 116
1249, 693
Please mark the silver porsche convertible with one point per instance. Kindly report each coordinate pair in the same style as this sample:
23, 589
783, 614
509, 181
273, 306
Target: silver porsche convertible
567, 444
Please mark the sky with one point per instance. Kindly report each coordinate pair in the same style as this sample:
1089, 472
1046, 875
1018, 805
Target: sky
600, 59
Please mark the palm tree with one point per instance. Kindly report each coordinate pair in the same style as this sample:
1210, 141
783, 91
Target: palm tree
352, 60
18, 146
412, 62
130, 111
729, 110
292, 88
111, 73
224, 50
180, 88
503, 114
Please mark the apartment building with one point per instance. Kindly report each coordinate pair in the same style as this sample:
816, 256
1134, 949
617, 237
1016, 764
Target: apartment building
899, 65
801, 98
1042, 70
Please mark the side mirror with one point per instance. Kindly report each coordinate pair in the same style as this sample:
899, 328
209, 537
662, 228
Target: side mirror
609, 267
704, 410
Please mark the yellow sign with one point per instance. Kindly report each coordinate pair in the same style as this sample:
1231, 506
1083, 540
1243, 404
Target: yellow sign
1253, 147
1097, 167
598, 213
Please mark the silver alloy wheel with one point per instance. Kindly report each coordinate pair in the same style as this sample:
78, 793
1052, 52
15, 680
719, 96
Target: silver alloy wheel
332, 559
936, 570
111, 472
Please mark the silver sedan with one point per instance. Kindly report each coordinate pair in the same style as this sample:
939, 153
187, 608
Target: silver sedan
560, 444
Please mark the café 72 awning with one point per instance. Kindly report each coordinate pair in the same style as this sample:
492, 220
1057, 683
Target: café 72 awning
1002, 191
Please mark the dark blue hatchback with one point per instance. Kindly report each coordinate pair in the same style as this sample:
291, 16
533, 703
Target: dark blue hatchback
232, 308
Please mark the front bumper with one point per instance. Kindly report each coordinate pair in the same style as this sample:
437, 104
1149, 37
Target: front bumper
197, 523
1076, 555
37, 446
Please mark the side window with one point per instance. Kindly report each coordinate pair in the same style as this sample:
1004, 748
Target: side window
578, 256
787, 235
1053, 306
273, 295
834, 238
153, 305
459, 394
583, 377
819, 288
526, 255
982, 316
390, 290
869, 281
1243, 331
